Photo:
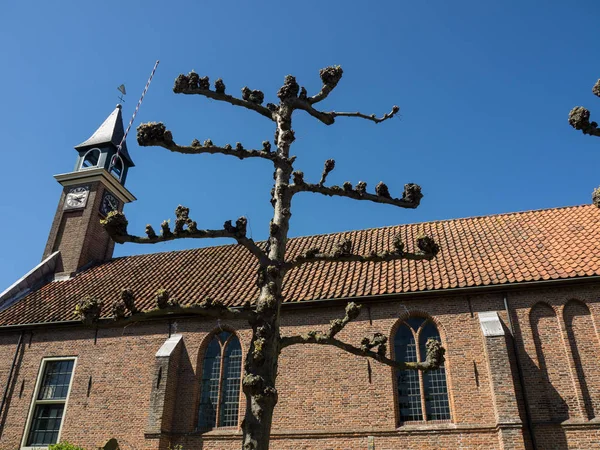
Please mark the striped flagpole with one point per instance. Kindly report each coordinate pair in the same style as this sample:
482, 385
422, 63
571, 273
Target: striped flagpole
114, 158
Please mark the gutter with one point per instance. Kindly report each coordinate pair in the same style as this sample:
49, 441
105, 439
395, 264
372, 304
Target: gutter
364, 298
449, 291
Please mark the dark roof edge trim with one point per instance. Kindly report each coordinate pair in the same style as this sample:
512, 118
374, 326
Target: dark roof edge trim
450, 291
365, 298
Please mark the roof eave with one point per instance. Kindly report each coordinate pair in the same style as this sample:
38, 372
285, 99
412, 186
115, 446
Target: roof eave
451, 291
30, 281
363, 299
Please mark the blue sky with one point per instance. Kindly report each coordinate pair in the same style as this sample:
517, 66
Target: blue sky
484, 89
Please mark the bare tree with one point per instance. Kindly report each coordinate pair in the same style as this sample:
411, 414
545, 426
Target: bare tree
260, 369
579, 117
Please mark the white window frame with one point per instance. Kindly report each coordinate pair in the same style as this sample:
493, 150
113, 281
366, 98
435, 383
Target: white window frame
95, 149
35, 401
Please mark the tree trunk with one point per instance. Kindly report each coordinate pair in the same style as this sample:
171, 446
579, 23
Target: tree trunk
260, 369
259, 384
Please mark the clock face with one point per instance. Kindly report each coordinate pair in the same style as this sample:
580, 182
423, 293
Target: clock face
109, 203
77, 197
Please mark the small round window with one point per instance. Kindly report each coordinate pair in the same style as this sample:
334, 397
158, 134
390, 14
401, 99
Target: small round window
91, 158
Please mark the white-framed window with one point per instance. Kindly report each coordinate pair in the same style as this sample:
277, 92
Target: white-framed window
49, 402
90, 159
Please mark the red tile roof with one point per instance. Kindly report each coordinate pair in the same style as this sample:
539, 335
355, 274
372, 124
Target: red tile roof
549, 244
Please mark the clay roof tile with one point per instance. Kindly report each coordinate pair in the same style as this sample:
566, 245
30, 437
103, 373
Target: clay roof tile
533, 245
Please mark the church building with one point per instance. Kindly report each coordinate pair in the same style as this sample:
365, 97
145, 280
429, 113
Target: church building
514, 299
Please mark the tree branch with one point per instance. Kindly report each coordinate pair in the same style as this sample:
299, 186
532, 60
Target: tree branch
579, 117
88, 309
337, 325
328, 118
411, 197
217, 311
193, 84
329, 166
435, 351
330, 76
342, 252
156, 134
372, 117
116, 223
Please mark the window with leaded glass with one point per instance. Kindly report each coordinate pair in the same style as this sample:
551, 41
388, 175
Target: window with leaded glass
220, 384
421, 396
409, 391
48, 408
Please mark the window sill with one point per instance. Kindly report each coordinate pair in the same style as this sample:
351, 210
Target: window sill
221, 431
426, 425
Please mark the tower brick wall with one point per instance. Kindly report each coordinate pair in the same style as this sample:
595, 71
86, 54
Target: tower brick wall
78, 235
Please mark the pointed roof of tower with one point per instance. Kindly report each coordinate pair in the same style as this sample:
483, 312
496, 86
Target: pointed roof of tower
110, 132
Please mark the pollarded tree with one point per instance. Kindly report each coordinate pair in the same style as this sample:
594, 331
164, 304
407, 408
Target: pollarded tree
579, 117
263, 315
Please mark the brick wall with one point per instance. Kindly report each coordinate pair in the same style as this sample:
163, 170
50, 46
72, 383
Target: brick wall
553, 328
332, 400
78, 233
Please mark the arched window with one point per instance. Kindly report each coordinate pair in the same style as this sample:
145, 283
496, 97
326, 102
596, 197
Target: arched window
117, 169
91, 158
421, 396
220, 385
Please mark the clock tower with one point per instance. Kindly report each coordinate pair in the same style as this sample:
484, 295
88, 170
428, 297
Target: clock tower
93, 189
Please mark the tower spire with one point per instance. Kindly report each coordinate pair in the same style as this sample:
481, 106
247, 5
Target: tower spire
110, 132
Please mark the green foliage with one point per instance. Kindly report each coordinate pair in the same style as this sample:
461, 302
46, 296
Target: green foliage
64, 446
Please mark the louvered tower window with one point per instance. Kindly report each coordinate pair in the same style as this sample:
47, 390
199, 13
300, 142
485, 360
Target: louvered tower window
117, 169
220, 388
421, 396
